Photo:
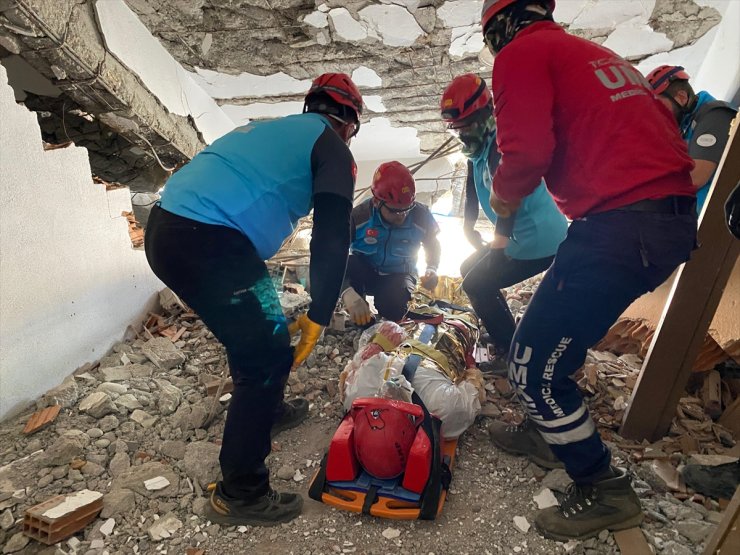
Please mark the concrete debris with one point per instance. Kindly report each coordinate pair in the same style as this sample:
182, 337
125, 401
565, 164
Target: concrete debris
522, 524
118, 502
97, 404
144, 418
163, 353
154, 484
7, 519
116, 373
169, 397
16, 543
164, 527
64, 449
155, 435
285, 472
65, 394
107, 528
201, 462
135, 477
545, 499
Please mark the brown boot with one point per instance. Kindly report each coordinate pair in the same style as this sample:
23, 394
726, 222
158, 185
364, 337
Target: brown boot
524, 439
608, 504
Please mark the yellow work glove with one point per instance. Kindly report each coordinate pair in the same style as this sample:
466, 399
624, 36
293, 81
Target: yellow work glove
357, 307
429, 280
310, 332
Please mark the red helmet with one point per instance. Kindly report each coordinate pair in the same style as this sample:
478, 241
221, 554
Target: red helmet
465, 95
384, 431
492, 7
394, 184
662, 76
340, 88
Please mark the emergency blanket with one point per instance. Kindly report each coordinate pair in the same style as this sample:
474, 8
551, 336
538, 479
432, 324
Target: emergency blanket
449, 389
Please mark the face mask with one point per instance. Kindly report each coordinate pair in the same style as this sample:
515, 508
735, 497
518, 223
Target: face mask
473, 136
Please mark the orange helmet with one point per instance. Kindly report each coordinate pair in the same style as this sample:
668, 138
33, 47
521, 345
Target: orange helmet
340, 88
394, 184
384, 431
662, 76
492, 7
465, 95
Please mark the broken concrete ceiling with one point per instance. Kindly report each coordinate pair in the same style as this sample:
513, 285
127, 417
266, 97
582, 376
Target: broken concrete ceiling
256, 59
406, 50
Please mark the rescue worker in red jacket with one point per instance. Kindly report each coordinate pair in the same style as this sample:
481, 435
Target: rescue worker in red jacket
583, 118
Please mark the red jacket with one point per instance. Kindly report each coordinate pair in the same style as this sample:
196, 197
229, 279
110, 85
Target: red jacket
585, 119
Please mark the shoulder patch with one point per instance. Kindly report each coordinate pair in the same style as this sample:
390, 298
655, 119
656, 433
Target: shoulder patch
706, 140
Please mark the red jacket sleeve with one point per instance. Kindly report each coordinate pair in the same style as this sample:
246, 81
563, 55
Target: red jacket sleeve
523, 102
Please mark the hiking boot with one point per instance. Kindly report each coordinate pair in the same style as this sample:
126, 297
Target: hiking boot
271, 509
524, 439
608, 504
292, 413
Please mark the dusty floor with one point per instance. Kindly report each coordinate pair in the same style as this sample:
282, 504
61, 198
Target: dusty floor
150, 422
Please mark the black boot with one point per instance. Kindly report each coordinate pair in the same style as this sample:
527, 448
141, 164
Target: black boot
289, 415
270, 509
607, 504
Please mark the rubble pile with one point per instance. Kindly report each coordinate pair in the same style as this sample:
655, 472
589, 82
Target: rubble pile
142, 427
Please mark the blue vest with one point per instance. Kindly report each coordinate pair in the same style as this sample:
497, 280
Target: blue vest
256, 179
391, 249
539, 227
687, 132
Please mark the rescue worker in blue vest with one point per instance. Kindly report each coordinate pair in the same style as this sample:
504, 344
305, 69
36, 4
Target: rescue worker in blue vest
523, 244
388, 229
219, 218
703, 120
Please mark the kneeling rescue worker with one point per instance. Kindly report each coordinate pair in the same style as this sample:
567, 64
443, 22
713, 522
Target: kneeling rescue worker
388, 230
524, 244
220, 217
585, 119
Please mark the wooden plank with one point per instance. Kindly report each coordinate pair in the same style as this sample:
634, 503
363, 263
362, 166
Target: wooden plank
726, 538
691, 306
632, 542
711, 394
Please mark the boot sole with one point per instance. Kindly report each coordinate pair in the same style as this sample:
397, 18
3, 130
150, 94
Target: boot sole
631, 522
551, 465
218, 518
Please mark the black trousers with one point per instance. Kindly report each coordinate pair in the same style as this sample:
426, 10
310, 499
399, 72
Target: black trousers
217, 271
485, 273
392, 292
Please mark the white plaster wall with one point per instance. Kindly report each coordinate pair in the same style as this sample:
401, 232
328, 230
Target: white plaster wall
70, 282
720, 71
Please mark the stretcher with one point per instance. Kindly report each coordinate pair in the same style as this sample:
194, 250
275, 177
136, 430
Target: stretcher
419, 492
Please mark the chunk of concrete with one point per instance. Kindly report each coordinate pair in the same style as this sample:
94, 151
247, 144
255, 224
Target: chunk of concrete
97, 404
163, 353
164, 528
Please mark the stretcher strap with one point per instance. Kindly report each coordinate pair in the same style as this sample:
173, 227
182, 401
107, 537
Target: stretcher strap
316, 489
384, 342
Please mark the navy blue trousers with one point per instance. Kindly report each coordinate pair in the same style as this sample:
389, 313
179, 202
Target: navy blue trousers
605, 263
218, 273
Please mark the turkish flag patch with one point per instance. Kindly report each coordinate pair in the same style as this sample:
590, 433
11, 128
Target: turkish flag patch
370, 232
